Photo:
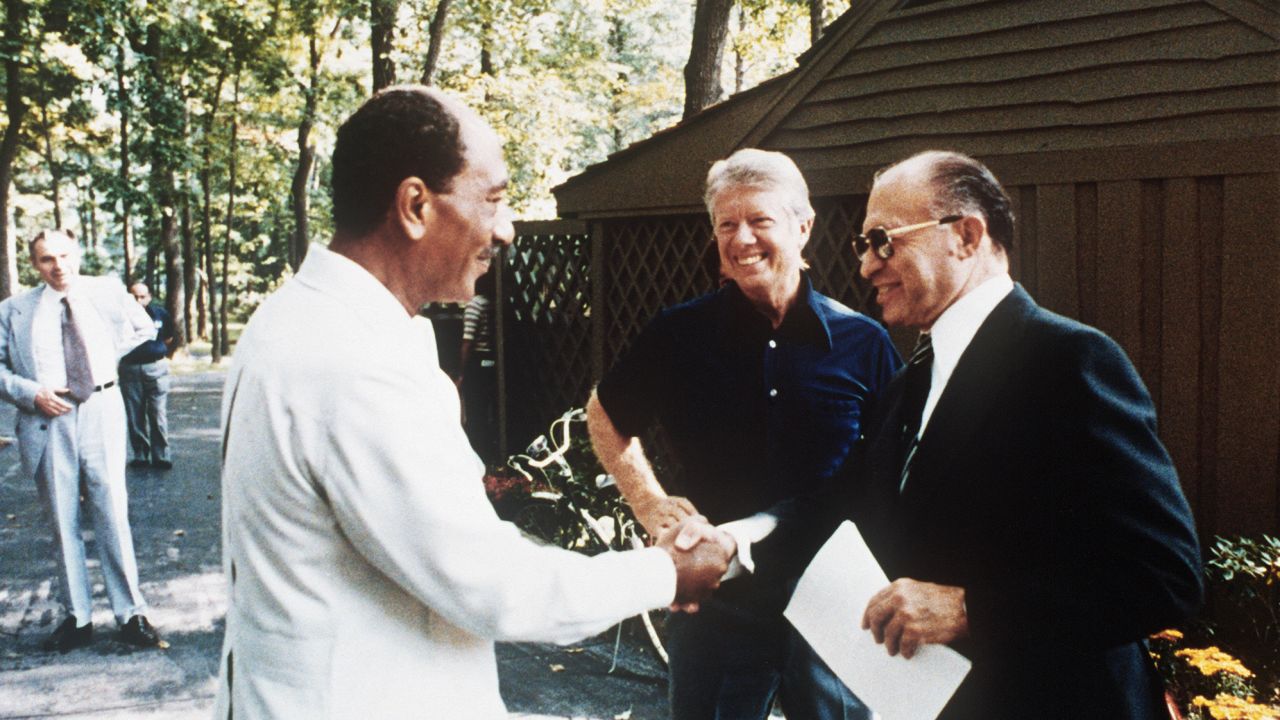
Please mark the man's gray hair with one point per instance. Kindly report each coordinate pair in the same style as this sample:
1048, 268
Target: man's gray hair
764, 169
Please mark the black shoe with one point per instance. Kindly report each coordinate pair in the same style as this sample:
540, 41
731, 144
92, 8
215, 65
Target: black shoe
68, 637
139, 463
162, 464
140, 633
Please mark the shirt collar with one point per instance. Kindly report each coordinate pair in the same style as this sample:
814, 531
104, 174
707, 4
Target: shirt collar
805, 321
957, 325
54, 295
339, 275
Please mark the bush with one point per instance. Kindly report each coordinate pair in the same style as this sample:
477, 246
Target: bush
1206, 681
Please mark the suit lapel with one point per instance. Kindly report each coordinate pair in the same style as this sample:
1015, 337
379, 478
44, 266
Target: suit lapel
972, 392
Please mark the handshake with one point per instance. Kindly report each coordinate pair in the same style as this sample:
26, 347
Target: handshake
701, 553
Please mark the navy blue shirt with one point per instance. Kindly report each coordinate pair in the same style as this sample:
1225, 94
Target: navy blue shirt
153, 350
754, 415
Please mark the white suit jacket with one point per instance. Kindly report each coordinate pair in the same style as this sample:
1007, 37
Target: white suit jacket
125, 320
368, 573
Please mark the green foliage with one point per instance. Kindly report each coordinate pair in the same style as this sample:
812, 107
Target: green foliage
565, 83
1245, 573
1244, 590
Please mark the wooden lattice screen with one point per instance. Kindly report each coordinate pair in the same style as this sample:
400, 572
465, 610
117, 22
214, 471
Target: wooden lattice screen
651, 264
546, 327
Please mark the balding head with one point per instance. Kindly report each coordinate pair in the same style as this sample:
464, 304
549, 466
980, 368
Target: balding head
960, 185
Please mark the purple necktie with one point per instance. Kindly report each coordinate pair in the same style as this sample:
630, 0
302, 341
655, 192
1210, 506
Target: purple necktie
76, 357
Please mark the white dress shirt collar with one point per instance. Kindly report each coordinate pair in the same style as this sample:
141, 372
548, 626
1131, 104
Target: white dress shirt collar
339, 275
954, 330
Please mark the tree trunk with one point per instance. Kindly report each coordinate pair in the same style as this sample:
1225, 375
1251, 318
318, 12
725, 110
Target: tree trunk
435, 34
126, 223
300, 198
168, 122
55, 176
225, 345
15, 16
91, 212
486, 56
739, 65
175, 301
208, 305
189, 289
382, 26
702, 72
617, 48
206, 245
817, 8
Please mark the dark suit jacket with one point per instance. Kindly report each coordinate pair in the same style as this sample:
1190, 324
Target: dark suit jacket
1041, 488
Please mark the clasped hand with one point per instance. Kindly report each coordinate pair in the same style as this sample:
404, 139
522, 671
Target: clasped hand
701, 553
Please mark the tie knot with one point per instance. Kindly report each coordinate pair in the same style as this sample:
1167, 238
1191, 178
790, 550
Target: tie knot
922, 351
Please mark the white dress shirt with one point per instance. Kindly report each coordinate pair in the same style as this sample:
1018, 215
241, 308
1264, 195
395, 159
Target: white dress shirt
369, 573
954, 330
46, 336
950, 335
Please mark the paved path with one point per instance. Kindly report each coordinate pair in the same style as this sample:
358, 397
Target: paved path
175, 518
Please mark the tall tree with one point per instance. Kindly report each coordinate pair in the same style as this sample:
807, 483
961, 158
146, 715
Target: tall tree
224, 344
817, 11
706, 51
309, 16
435, 41
167, 118
382, 29
52, 163
17, 15
126, 189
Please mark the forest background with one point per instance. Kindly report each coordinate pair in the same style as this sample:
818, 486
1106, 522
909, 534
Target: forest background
186, 142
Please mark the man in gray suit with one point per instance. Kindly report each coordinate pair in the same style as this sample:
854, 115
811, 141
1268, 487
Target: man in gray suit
60, 343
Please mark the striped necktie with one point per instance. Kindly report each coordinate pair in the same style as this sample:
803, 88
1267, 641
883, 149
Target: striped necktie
918, 377
76, 356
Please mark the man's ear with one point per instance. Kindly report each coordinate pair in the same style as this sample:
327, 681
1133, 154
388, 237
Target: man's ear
806, 228
970, 229
412, 208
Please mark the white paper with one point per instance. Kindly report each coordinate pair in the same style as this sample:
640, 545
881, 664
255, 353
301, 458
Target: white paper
827, 610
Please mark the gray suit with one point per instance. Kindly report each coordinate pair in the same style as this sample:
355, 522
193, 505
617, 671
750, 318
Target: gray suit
86, 444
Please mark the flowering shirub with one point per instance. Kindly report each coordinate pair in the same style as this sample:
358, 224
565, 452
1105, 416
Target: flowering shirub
1230, 707
1211, 661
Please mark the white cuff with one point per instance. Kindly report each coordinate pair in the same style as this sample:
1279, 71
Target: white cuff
746, 531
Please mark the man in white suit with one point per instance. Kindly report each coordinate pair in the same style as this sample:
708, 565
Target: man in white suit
369, 576
60, 343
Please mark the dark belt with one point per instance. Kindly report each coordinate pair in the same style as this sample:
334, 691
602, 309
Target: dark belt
104, 386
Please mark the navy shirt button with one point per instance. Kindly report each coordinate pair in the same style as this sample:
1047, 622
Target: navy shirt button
773, 392
773, 343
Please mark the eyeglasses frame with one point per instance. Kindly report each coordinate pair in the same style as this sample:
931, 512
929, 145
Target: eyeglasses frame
884, 248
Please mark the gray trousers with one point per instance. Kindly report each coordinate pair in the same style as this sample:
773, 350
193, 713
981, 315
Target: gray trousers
87, 444
146, 398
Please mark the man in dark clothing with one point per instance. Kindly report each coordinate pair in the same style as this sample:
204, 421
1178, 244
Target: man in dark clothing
760, 386
144, 378
1011, 483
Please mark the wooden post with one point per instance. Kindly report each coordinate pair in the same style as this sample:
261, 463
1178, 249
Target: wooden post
500, 346
599, 304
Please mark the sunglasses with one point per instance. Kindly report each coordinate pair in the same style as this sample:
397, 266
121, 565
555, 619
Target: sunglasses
881, 240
